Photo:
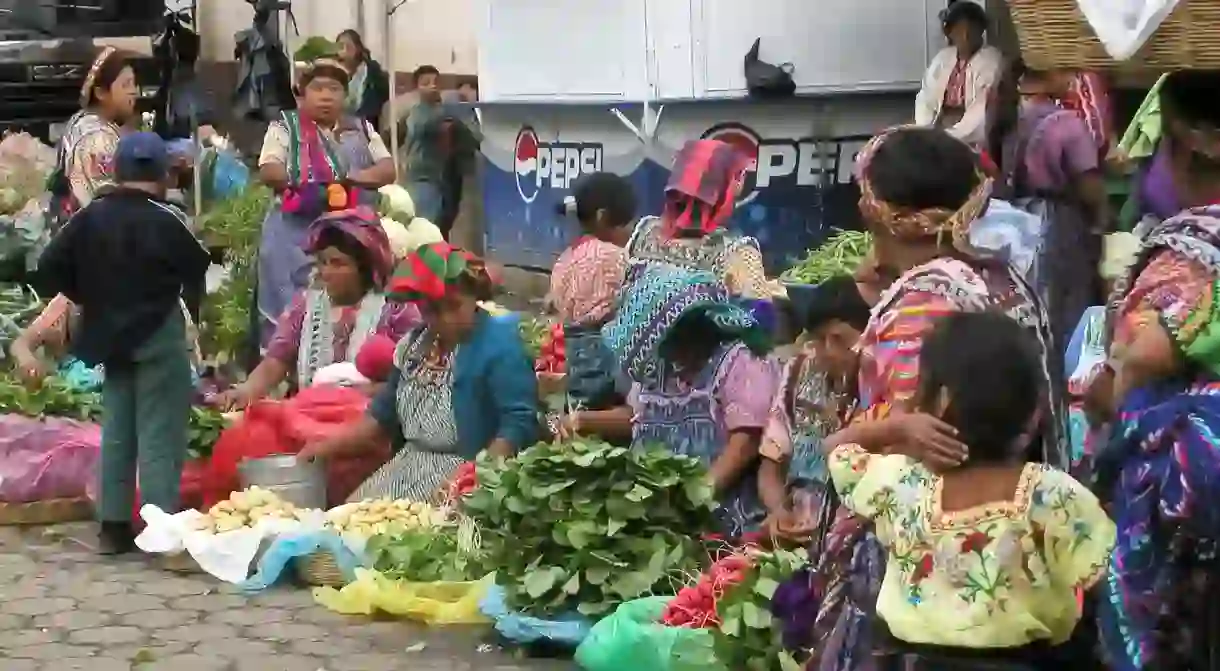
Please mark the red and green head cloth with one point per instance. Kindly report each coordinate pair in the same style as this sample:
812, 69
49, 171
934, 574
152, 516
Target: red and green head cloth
431, 272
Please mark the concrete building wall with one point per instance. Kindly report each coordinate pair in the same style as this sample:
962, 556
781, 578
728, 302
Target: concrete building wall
435, 32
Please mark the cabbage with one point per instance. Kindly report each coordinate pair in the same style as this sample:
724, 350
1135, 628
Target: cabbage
406, 239
396, 203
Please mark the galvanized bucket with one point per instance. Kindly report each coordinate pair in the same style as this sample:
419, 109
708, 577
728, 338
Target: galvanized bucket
300, 483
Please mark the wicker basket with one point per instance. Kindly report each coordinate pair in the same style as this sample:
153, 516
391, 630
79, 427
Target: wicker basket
319, 569
1054, 34
181, 562
51, 511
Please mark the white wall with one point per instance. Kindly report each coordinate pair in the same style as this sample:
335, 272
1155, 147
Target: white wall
436, 32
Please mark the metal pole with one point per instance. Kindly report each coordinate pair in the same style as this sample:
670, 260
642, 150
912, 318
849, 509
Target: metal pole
391, 66
196, 141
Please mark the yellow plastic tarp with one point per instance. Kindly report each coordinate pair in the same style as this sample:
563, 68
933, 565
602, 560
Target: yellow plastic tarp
428, 602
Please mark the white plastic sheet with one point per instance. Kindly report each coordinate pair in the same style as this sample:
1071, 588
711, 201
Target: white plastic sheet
226, 556
1123, 26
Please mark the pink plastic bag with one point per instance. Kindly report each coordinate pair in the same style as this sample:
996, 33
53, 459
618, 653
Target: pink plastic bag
50, 458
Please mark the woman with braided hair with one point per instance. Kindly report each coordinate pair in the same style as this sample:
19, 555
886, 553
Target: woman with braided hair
462, 382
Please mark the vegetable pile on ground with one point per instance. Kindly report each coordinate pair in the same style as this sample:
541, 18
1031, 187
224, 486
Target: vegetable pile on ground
203, 430
758, 630
245, 509
602, 524
234, 224
439, 554
695, 605
19, 305
52, 398
381, 516
841, 253
25, 164
552, 354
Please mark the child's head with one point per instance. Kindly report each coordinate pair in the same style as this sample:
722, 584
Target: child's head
605, 205
982, 374
834, 319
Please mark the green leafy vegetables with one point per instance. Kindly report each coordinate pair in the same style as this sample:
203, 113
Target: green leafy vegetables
52, 398
584, 525
236, 225
750, 636
203, 430
841, 253
428, 554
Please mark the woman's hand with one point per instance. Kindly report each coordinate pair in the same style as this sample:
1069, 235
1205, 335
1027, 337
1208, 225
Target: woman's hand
567, 426
926, 438
784, 524
319, 449
237, 398
30, 368
1099, 406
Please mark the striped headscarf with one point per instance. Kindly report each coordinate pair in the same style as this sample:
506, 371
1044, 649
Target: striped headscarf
433, 272
910, 224
362, 226
659, 298
702, 187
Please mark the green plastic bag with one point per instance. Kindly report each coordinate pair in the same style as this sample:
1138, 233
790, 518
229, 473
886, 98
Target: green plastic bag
631, 638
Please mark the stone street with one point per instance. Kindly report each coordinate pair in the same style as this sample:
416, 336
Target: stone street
65, 608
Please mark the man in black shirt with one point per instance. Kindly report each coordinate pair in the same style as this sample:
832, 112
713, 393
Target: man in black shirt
136, 272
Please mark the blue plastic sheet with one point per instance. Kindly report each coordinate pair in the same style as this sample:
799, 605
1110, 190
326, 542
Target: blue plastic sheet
228, 176
568, 630
78, 376
291, 546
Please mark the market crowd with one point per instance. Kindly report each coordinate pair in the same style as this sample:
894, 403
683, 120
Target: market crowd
964, 506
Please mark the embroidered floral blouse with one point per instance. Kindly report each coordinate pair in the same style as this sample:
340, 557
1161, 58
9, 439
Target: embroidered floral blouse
396, 320
995, 576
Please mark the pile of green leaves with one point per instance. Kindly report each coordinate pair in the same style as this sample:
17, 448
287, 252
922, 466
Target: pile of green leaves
534, 331
52, 398
315, 47
420, 554
203, 430
749, 636
19, 305
840, 254
234, 224
584, 526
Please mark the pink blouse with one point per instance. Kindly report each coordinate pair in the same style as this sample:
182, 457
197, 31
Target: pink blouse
396, 320
586, 279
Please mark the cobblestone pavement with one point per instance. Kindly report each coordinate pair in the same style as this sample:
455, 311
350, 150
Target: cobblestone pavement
63, 608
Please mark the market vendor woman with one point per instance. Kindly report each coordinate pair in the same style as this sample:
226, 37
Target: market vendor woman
702, 382
316, 159
330, 321
463, 382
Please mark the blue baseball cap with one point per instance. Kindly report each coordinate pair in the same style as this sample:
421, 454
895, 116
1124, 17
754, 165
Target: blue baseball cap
141, 157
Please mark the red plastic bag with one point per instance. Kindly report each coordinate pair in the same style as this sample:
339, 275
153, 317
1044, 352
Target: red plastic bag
284, 427
51, 458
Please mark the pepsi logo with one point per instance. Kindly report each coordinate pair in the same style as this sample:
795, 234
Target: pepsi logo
525, 164
787, 162
745, 141
541, 165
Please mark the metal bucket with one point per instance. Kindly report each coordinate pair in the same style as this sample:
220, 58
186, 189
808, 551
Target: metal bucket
300, 483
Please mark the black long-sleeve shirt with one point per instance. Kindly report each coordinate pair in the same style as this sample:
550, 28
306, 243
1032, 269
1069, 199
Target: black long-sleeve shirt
125, 259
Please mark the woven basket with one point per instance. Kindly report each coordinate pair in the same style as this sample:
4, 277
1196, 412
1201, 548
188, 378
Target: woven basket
319, 569
51, 511
182, 562
1054, 34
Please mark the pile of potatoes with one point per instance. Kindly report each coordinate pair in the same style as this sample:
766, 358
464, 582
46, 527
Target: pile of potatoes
245, 509
369, 518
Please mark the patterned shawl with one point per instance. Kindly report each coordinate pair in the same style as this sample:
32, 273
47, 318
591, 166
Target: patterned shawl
657, 300
363, 227
702, 186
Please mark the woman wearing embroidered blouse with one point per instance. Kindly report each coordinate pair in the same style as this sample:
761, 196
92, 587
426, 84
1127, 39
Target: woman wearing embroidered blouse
462, 383
983, 560
921, 221
328, 322
317, 159
960, 77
